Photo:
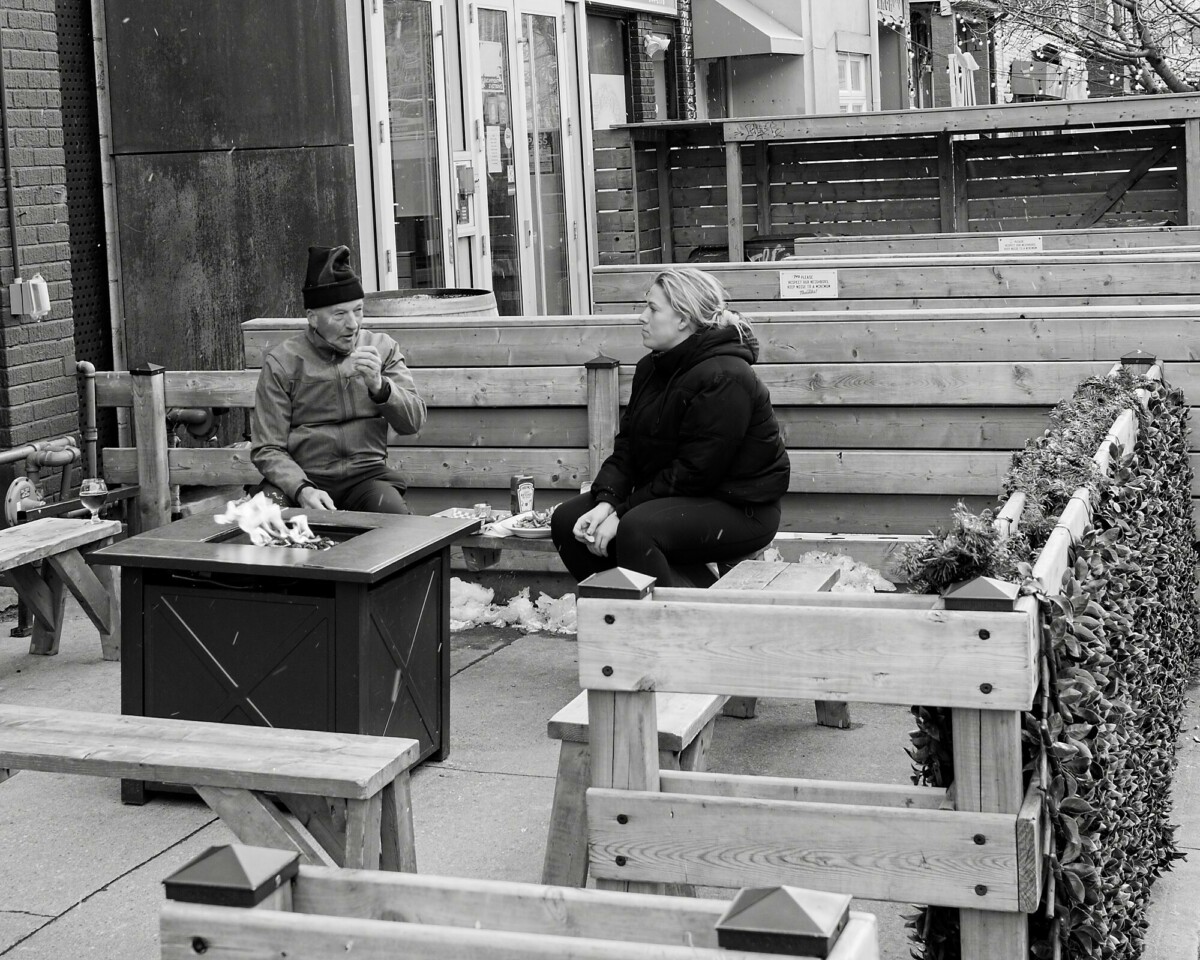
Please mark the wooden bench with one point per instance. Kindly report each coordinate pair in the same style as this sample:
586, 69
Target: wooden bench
324, 913
685, 728
1112, 278
350, 794
45, 558
1006, 241
890, 417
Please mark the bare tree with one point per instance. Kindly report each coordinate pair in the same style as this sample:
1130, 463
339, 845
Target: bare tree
1156, 41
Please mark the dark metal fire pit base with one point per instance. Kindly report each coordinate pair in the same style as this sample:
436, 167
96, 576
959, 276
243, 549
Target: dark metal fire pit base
354, 639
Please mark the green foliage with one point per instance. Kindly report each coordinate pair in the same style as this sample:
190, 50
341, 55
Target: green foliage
1119, 637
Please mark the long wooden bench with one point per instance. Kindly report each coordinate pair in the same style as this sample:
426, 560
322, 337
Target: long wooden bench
1000, 242
1113, 278
349, 794
890, 417
316, 912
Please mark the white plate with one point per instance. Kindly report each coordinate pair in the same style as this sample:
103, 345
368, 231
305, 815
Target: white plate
528, 533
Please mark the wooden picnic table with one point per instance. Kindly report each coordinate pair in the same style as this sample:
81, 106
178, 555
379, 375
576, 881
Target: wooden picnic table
788, 578
45, 558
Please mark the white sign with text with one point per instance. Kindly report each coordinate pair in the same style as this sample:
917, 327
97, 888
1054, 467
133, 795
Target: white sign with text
808, 285
1020, 244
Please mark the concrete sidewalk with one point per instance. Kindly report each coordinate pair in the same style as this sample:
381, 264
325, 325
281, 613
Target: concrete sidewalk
80, 874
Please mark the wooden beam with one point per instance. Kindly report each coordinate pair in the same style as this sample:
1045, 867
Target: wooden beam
811, 791
733, 201
603, 409
762, 187
1119, 186
946, 182
662, 161
877, 853
1190, 174
941, 657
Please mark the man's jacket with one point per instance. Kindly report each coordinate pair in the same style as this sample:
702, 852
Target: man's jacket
314, 420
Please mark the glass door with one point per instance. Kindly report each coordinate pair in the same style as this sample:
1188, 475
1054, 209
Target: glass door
546, 228
499, 146
417, 146
527, 156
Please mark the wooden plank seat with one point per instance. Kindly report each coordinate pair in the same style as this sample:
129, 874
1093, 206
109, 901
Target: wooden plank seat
45, 558
349, 794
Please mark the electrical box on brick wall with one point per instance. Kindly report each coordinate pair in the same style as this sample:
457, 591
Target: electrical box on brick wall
29, 298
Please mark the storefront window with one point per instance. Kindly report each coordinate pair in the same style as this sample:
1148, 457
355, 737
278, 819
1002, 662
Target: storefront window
606, 61
413, 119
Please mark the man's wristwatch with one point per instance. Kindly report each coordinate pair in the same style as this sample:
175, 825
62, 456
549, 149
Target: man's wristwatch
385, 391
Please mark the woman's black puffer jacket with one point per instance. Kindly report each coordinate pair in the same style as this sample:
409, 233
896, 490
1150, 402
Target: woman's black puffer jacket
699, 424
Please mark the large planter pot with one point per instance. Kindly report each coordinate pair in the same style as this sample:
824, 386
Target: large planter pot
436, 302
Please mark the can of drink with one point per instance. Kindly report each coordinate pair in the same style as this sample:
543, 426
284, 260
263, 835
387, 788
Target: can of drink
483, 511
521, 487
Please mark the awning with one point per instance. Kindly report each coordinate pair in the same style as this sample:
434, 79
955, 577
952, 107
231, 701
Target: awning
737, 28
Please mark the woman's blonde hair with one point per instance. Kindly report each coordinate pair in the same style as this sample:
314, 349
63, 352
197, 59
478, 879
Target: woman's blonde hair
695, 295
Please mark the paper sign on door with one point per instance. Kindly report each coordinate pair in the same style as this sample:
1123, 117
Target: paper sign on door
808, 285
492, 139
1020, 244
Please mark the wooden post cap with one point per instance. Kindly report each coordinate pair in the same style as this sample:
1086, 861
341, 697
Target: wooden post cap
802, 923
981, 593
233, 876
1139, 362
602, 363
617, 584
148, 370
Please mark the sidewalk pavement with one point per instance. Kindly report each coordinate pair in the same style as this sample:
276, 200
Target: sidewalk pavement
81, 874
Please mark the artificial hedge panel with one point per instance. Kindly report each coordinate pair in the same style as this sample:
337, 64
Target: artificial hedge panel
1119, 640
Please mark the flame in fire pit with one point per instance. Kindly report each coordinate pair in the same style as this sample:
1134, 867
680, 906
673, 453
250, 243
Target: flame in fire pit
262, 519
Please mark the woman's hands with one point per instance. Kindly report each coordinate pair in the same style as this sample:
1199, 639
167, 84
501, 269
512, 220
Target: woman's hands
597, 528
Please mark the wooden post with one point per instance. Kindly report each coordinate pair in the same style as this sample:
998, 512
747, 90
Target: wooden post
1191, 171
946, 188
762, 192
733, 200
622, 727
988, 779
662, 156
603, 409
150, 431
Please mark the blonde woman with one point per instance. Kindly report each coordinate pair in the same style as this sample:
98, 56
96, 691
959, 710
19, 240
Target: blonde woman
699, 467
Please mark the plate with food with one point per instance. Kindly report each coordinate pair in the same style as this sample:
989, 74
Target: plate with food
532, 525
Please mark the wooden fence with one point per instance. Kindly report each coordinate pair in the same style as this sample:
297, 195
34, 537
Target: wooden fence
1021, 167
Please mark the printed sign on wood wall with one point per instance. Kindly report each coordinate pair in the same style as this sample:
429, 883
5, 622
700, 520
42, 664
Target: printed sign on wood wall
808, 285
1019, 244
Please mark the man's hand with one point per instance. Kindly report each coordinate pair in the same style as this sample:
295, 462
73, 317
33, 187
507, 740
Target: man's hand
313, 499
366, 362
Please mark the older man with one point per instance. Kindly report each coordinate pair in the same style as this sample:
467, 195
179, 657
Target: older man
326, 398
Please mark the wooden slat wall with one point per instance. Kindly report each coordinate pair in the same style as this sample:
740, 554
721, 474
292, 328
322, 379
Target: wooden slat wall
862, 187
889, 417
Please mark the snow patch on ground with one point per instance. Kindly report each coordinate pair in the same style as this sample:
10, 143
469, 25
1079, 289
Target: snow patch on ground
471, 604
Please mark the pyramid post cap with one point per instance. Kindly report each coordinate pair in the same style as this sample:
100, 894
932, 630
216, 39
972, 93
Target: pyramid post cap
981, 593
617, 582
784, 920
233, 875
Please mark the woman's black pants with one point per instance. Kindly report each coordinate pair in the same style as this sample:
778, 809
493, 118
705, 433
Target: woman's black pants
670, 539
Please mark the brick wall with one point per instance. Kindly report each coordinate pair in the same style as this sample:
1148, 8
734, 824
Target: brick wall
681, 83
37, 358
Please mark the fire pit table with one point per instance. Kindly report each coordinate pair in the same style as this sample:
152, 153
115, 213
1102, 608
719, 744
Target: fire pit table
352, 639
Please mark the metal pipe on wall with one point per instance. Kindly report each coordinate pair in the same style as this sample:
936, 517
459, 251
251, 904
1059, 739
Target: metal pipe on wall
87, 371
8, 167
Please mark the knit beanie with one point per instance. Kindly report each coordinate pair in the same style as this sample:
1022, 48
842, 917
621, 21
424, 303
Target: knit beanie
330, 278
